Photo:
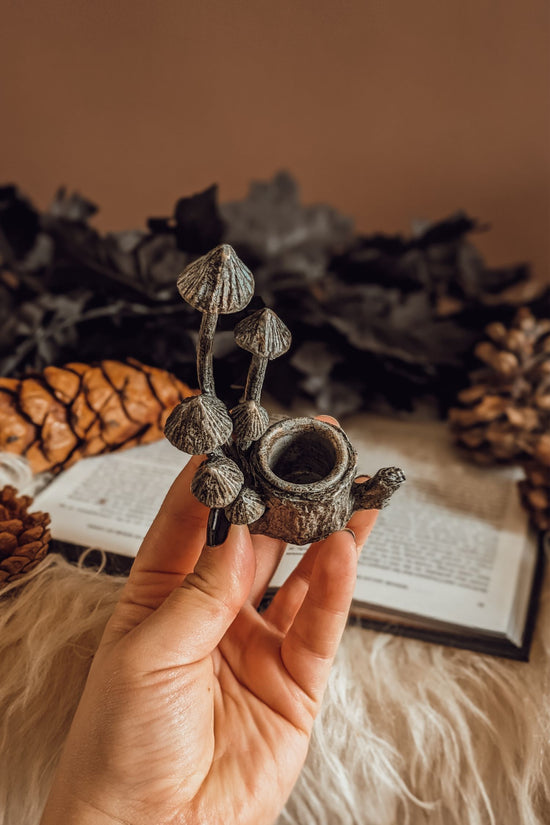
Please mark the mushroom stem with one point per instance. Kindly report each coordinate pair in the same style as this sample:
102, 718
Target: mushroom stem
205, 369
255, 378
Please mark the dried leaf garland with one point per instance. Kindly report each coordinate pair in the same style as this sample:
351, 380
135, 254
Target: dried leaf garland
397, 316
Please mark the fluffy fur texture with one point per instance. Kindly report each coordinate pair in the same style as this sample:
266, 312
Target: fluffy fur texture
410, 733
50, 626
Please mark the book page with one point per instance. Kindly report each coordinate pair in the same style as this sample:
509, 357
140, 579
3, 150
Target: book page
109, 501
451, 543
449, 546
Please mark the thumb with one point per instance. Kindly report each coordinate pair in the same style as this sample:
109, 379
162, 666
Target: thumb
193, 619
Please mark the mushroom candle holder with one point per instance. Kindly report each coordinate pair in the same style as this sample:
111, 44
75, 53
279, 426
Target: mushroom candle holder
291, 479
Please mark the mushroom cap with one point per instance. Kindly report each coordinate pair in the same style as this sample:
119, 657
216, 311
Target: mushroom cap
217, 482
247, 507
198, 425
218, 282
263, 333
250, 421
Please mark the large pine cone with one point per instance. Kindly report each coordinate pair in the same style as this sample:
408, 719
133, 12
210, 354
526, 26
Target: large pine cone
80, 410
24, 536
505, 413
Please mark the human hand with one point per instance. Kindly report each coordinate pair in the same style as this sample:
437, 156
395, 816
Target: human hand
197, 708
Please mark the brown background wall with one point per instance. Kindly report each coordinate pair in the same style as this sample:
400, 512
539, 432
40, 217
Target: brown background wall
387, 109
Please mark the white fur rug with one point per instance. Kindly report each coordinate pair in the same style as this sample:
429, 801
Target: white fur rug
410, 732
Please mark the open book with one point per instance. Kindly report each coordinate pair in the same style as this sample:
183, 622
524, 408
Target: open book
450, 560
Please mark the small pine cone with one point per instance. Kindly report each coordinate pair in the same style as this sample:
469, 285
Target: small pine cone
77, 410
506, 410
535, 493
24, 536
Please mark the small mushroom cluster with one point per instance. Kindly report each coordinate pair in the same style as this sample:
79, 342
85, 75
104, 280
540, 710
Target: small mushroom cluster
219, 283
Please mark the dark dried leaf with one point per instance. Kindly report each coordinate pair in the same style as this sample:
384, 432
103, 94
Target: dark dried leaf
199, 226
161, 261
19, 224
71, 207
315, 358
339, 399
275, 233
40, 257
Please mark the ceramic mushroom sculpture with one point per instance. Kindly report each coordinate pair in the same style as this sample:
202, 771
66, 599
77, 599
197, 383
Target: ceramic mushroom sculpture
291, 479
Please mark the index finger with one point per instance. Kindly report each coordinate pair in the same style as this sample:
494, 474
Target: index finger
176, 537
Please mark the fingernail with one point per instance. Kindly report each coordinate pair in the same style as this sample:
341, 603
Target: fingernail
217, 528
